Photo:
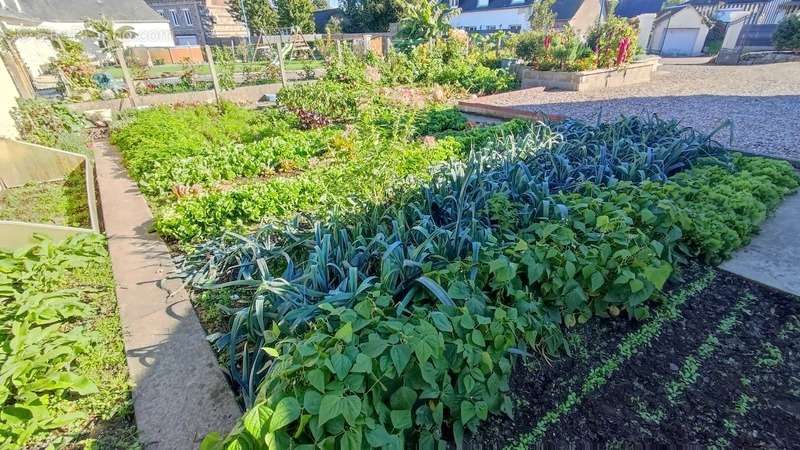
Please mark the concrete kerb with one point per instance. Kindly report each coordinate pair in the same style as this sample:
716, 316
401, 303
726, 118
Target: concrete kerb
180, 393
771, 257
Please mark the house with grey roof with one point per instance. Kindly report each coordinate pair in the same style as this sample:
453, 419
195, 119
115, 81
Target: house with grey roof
67, 17
486, 16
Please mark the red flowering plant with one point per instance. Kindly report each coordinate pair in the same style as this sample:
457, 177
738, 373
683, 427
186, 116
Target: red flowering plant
614, 42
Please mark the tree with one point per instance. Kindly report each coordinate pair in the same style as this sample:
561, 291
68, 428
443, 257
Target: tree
296, 13
542, 16
368, 15
320, 4
424, 19
260, 16
787, 35
108, 38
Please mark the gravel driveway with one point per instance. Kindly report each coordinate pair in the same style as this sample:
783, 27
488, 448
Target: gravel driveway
762, 101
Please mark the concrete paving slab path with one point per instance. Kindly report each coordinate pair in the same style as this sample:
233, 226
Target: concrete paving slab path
180, 393
773, 257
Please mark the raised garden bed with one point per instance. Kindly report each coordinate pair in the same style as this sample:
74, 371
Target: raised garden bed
640, 71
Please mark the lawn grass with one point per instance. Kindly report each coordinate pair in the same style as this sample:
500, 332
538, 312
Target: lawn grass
57, 203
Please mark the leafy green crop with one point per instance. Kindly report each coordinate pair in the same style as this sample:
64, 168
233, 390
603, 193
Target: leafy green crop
368, 378
162, 134
726, 206
46, 332
362, 172
286, 153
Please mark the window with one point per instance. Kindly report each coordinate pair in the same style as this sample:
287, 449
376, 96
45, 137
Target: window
483, 3
187, 17
188, 39
173, 17
454, 3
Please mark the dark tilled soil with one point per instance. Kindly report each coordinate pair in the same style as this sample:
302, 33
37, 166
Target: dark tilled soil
746, 393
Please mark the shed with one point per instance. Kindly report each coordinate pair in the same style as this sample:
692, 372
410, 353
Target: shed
679, 31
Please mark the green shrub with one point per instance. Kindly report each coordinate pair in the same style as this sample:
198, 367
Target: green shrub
366, 378
476, 79
336, 101
605, 40
439, 119
787, 35
530, 46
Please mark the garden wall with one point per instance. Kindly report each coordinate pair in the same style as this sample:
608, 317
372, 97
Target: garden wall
768, 57
167, 55
637, 72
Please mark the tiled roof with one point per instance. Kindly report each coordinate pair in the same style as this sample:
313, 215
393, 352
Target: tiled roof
632, 8
79, 10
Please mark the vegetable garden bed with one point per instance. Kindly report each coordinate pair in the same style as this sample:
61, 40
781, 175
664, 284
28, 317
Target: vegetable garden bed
411, 276
64, 379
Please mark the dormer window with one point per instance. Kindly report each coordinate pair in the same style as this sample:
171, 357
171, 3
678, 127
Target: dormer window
517, 2
483, 3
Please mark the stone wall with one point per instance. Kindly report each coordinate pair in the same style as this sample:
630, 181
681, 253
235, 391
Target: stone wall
739, 57
768, 57
637, 72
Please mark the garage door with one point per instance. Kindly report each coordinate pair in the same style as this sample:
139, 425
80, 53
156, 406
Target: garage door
679, 41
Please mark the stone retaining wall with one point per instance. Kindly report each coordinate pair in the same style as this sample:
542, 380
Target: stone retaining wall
768, 57
637, 72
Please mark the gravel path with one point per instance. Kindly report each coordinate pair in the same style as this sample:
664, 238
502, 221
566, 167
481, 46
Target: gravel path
763, 102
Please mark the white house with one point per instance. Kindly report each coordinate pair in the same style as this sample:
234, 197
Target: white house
679, 31
486, 16
66, 17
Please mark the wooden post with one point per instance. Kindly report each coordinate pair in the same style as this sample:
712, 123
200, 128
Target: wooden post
280, 62
367, 44
65, 82
128, 79
213, 70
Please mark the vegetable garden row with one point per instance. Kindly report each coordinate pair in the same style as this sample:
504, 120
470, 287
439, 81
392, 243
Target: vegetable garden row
63, 376
378, 267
